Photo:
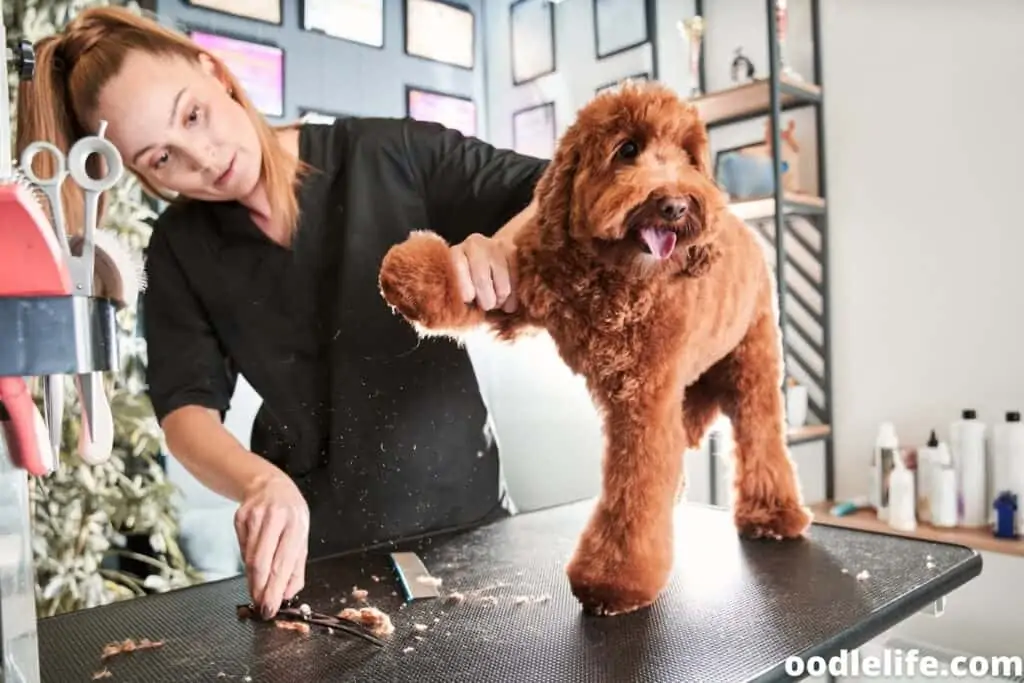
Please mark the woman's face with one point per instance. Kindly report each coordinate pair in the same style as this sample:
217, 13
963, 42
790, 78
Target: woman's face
175, 124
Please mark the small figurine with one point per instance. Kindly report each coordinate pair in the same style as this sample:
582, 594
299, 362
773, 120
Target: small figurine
741, 61
1006, 515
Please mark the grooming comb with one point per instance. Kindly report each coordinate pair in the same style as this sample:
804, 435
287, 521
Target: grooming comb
417, 583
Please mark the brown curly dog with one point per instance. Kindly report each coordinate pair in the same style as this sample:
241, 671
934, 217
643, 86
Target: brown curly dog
663, 300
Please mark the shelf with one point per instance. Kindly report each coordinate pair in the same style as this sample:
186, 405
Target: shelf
976, 538
753, 99
794, 203
807, 434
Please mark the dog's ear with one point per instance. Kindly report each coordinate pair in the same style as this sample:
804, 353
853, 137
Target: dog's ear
554, 191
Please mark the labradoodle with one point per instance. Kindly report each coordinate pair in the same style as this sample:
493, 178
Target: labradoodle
663, 301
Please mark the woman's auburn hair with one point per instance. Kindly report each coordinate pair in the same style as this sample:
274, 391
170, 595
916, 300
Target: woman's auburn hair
74, 65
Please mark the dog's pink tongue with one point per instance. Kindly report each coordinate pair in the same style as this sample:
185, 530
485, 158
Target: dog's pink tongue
660, 242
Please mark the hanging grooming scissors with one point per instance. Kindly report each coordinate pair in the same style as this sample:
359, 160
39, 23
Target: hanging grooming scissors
82, 267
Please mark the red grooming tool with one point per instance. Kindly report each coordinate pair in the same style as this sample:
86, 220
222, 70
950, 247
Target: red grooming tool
34, 264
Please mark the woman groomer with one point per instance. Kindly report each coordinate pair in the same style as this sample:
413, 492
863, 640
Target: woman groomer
265, 264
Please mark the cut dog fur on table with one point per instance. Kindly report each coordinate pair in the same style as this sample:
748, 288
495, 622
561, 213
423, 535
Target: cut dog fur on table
663, 301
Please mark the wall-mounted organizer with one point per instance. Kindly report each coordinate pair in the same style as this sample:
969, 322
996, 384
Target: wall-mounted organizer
804, 297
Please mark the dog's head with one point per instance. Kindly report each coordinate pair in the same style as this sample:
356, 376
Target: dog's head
630, 181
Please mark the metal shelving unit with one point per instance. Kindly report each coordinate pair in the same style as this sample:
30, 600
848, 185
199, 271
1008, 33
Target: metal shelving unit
809, 360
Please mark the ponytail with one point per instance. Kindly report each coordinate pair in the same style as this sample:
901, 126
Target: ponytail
44, 112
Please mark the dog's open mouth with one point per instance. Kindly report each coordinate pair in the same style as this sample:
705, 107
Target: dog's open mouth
659, 241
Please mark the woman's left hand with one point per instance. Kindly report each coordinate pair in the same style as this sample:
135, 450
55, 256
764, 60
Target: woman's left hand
486, 269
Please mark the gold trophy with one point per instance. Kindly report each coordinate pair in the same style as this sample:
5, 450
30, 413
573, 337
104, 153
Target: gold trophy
693, 30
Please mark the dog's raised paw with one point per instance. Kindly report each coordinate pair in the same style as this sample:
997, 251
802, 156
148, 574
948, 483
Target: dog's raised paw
772, 521
416, 279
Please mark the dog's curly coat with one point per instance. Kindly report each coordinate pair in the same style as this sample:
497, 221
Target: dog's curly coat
663, 300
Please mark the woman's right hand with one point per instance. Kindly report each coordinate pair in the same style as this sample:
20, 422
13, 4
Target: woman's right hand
272, 524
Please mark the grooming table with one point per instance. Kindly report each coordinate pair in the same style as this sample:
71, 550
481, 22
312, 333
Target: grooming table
735, 611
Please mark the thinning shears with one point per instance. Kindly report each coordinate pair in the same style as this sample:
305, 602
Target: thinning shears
82, 266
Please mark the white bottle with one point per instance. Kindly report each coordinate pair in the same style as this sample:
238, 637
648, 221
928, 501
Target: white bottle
967, 441
886, 447
902, 497
944, 495
927, 465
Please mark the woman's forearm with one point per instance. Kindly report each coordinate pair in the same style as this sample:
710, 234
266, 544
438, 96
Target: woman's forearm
509, 231
200, 442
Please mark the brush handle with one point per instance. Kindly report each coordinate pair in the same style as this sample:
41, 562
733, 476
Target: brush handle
24, 428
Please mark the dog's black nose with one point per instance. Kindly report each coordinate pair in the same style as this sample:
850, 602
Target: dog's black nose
672, 208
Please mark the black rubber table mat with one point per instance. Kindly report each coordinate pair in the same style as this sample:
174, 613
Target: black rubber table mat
735, 611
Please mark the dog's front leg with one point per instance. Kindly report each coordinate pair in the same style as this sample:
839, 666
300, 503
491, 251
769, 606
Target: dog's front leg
418, 278
768, 502
625, 553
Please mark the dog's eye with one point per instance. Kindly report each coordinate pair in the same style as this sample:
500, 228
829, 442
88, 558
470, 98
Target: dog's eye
628, 150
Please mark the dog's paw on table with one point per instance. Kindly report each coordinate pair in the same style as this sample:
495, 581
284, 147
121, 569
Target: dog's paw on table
615, 570
771, 520
418, 278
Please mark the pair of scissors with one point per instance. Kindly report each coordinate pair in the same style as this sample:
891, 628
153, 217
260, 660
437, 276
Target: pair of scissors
81, 267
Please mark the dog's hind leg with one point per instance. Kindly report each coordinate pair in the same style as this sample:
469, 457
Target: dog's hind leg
625, 553
700, 408
767, 499
701, 405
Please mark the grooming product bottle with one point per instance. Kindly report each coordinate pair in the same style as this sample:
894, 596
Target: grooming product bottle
944, 495
1007, 448
1008, 451
926, 465
902, 498
886, 447
967, 441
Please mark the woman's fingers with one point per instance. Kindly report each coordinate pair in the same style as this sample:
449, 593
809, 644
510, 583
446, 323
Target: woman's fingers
291, 547
297, 581
485, 273
262, 562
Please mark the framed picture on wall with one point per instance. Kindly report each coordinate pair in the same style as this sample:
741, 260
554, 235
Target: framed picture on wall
533, 39
358, 21
619, 25
268, 11
534, 132
454, 111
614, 84
320, 116
440, 31
259, 67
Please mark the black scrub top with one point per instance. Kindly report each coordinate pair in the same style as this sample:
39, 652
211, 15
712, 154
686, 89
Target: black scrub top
385, 434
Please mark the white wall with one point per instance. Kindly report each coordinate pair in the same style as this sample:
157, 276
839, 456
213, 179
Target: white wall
923, 104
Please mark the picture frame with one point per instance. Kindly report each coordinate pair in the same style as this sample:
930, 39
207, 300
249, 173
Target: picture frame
535, 130
620, 25
259, 66
458, 112
442, 31
266, 11
642, 76
354, 21
532, 40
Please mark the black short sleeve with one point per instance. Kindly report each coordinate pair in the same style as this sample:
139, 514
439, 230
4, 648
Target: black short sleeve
471, 186
185, 363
